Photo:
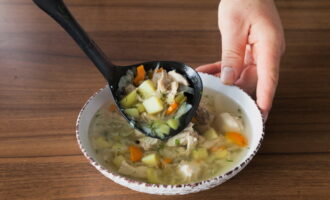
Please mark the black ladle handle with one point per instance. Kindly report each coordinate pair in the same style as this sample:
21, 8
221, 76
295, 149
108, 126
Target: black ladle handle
59, 12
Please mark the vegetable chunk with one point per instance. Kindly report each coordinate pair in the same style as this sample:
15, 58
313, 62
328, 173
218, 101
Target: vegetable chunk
153, 105
147, 89
141, 73
135, 153
210, 134
237, 138
173, 123
129, 99
200, 154
132, 112
151, 160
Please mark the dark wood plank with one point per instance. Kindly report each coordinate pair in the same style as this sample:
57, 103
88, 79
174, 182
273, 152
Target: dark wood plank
149, 15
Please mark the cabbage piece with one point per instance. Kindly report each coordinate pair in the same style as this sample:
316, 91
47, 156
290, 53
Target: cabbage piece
184, 108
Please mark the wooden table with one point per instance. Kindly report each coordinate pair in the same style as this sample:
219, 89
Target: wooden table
45, 79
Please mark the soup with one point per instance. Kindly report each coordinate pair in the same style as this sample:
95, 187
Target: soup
212, 143
155, 99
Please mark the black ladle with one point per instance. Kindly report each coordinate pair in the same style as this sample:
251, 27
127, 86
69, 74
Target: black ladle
112, 73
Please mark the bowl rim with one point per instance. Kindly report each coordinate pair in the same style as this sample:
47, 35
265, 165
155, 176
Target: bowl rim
212, 182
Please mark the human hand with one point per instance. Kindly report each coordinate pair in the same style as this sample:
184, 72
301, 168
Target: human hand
252, 46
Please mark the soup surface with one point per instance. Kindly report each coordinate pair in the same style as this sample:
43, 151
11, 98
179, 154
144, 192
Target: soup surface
212, 143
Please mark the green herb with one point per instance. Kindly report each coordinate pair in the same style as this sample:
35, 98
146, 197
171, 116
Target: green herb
177, 142
229, 160
239, 110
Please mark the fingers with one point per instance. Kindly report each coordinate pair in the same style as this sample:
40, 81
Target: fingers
268, 73
212, 68
248, 80
234, 34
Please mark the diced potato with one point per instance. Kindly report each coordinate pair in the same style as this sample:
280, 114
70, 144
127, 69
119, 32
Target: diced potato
200, 154
140, 107
118, 160
101, 143
162, 130
147, 89
153, 176
221, 153
210, 134
151, 160
129, 99
153, 105
132, 112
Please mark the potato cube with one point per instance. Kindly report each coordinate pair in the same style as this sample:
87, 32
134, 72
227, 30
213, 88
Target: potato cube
153, 105
147, 89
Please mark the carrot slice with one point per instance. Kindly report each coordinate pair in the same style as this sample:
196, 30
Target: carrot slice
172, 108
216, 148
135, 153
140, 74
167, 160
159, 70
236, 138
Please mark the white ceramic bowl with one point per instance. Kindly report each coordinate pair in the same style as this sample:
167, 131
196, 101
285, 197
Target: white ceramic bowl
241, 98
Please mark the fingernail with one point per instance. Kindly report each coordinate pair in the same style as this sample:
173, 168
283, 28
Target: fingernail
227, 75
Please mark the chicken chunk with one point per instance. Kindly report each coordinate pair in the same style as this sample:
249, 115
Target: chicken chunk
226, 122
172, 93
188, 137
161, 80
148, 143
138, 172
178, 77
189, 170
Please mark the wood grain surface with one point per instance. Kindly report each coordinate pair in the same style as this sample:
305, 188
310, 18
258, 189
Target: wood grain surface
45, 79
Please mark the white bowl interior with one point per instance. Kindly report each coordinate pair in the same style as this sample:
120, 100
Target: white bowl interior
254, 135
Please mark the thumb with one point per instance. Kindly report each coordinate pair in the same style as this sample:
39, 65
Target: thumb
234, 41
